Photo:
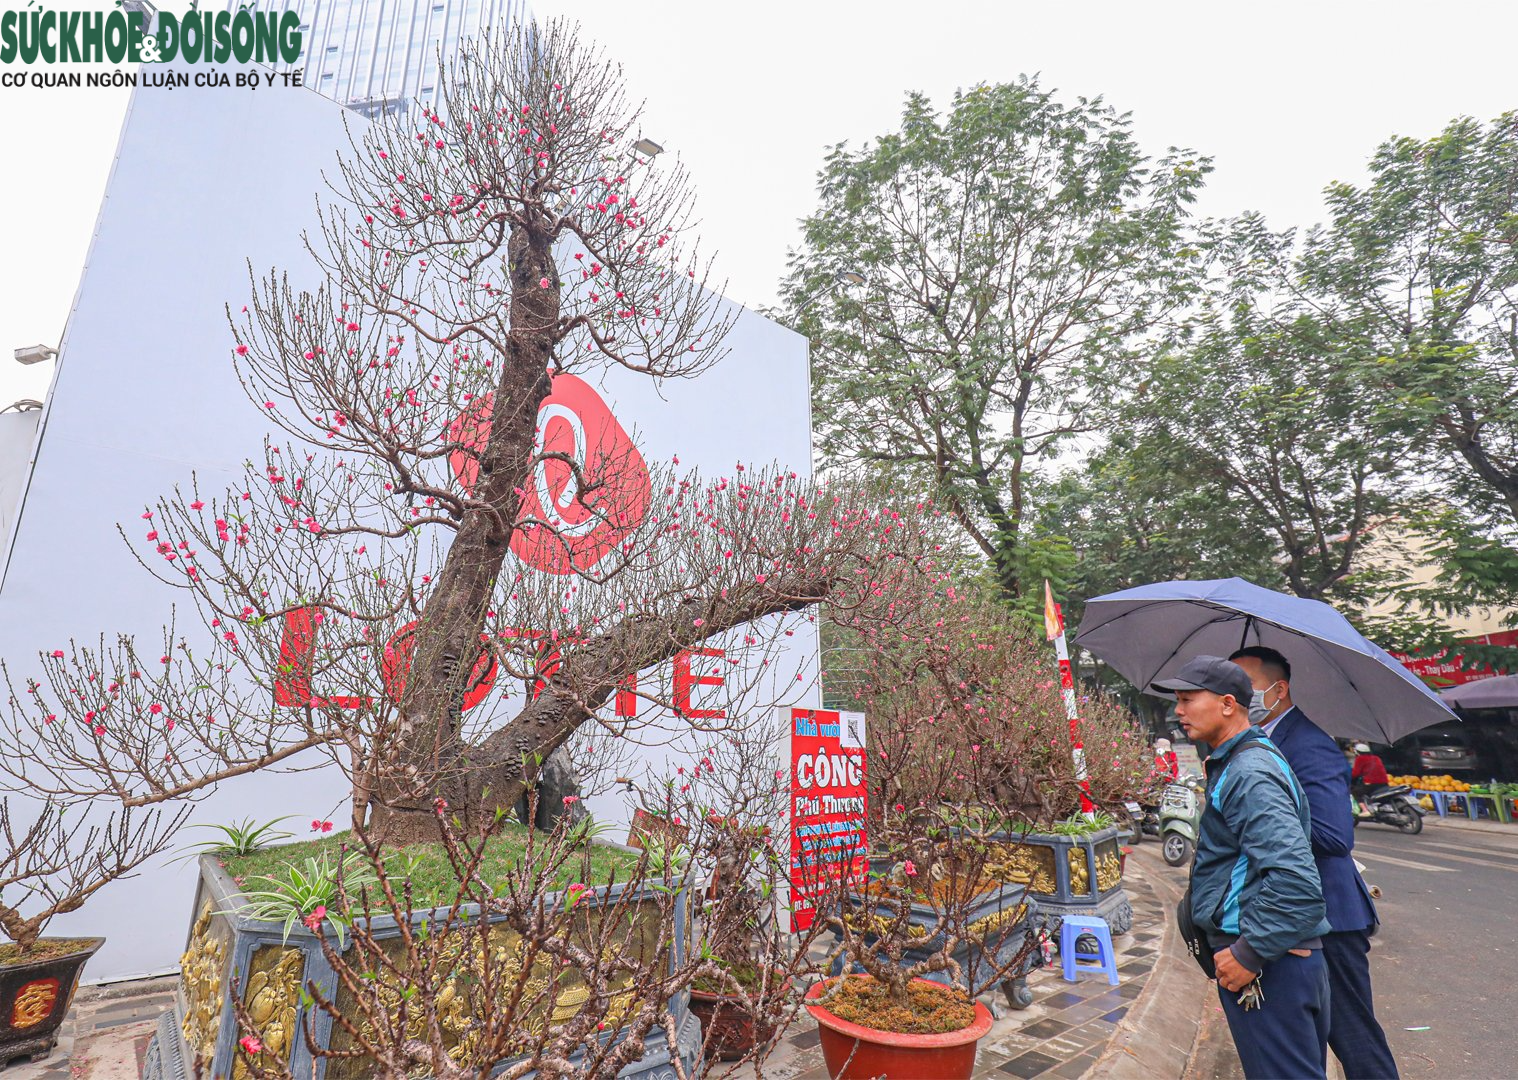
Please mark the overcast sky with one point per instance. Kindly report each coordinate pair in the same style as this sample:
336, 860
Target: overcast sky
1285, 96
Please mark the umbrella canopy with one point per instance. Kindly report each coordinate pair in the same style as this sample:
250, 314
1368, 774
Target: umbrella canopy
1498, 692
1349, 686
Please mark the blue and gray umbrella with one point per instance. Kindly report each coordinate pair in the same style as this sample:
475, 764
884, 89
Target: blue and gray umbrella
1349, 686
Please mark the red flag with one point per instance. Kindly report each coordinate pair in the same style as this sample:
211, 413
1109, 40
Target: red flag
1054, 623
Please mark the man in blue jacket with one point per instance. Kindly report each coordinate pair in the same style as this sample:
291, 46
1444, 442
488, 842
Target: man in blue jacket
1353, 1031
1255, 892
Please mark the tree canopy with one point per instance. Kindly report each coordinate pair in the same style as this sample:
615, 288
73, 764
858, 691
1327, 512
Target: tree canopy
1104, 391
1015, 250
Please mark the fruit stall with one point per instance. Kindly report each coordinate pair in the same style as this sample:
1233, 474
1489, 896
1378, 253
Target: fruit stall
1443, 794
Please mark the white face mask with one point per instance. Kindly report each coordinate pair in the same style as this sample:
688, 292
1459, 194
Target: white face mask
1259, 712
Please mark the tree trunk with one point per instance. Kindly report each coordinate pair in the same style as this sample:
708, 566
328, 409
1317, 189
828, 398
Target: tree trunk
426, 759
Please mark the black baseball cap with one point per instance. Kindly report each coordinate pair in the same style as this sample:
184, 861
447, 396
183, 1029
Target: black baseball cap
1209, 673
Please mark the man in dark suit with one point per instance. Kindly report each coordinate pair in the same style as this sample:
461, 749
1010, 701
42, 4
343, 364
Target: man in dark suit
1354, 1033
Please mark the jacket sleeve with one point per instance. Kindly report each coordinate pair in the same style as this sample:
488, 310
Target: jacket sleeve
1288, 906
1322, 772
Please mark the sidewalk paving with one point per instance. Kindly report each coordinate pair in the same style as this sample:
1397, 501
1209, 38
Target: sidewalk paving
1071, 1029
1158, 1037
105, 1033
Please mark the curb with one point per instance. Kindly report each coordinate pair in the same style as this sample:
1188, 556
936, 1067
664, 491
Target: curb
1156, 1037
1486, 826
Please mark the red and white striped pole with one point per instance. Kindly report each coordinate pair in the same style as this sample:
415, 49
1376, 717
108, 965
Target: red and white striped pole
1054, 626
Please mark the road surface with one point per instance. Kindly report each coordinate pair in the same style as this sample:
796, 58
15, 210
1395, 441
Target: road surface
1445, 963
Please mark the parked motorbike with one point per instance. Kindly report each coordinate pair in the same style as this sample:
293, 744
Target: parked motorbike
1180, 819
1390, 806
1135, 821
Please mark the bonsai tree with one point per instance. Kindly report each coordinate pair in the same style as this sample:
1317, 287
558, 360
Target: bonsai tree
437, 528
964, 708
742, 880
55, 857
933, 907
740, 930
443, 585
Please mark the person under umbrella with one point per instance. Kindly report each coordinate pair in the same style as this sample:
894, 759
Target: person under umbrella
1255, 893
1357, 688
1353, 1031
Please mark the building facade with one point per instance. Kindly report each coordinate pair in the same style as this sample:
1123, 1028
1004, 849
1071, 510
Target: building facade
379, 56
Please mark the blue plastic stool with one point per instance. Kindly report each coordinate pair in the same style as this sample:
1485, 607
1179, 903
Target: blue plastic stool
1071, 930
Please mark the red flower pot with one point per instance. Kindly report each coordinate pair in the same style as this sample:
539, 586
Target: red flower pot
854, 1052
729, 1030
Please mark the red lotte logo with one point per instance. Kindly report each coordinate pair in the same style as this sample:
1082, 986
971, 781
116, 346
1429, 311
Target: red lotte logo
298, 653
577, 515
573, 515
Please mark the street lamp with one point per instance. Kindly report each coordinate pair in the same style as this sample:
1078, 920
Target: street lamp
34, 354
648, 148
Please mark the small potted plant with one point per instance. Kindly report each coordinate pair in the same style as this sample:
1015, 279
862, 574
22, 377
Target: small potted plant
51, 866
909, 1007
740, 996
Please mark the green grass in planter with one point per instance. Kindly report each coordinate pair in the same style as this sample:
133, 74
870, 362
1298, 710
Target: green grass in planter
433, 881
1077, 825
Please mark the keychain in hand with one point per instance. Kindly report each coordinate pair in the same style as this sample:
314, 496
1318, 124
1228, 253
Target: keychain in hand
1253, 996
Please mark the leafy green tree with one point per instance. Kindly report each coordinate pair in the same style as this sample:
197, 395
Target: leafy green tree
1419, 267
1250, 448
1417, 273
1132, 516
1014, 252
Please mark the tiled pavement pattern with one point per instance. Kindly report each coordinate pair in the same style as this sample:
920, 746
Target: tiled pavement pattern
105, 1022
1061, 1034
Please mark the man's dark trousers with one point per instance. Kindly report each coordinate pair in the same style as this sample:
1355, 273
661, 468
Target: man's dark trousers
1287, 1037
1356, 1037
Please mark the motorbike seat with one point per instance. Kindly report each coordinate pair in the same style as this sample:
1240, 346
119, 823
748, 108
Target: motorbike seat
1391, 792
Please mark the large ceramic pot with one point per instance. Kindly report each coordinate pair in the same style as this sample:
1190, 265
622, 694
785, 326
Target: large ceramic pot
728, 1026
855, 1052
34, 998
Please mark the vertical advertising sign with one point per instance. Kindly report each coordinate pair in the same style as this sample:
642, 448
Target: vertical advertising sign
828, 804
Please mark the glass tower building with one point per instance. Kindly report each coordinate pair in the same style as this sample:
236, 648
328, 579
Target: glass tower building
377, 56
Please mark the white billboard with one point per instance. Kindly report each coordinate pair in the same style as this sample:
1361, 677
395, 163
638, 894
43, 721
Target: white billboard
145, 395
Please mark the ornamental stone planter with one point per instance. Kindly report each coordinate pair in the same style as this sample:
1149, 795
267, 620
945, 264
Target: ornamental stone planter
227, 953
1070, 875
1010, 916
35, 997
